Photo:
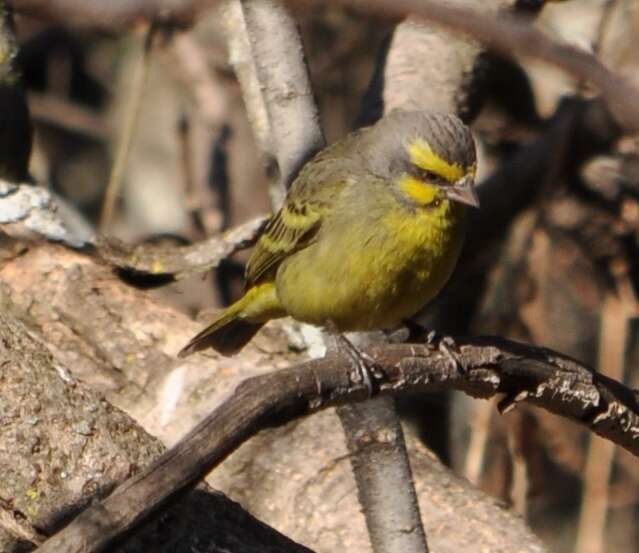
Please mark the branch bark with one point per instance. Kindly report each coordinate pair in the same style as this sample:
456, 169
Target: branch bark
292, 113
176, 263
507, 36
483, 367
63, 446
376, 442
276, 75
286, 477
512, 37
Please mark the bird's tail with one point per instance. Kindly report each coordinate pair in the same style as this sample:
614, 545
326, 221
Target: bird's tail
239, 322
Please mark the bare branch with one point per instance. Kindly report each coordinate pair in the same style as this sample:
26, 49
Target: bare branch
57, 111
283, 77
128, 131
380, 461
484, 367
510, 36
178, 263
507, 36
241, 57
274, 75
28, 211
115, 13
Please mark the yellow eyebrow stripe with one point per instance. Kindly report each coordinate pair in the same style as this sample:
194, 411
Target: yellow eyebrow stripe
422, 155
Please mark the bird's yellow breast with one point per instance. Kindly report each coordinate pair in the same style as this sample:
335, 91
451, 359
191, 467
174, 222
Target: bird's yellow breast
373, 270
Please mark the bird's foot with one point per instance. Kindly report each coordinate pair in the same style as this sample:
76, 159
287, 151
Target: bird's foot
365, 366
446, 346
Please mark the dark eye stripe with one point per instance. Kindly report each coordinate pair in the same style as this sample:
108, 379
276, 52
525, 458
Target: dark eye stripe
430, 176
427, 175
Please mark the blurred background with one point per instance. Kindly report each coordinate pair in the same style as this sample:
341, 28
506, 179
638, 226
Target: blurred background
560, 269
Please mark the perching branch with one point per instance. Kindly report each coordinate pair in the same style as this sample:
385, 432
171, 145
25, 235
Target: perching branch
484, 367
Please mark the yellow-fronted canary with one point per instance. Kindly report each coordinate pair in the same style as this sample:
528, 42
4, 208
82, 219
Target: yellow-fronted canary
369, 232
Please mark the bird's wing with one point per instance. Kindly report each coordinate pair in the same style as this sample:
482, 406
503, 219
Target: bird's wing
295, 225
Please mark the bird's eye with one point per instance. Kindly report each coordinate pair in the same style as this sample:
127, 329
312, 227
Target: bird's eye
427, 175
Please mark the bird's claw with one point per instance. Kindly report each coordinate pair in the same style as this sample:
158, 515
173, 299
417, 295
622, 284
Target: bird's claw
446, 346
365, 366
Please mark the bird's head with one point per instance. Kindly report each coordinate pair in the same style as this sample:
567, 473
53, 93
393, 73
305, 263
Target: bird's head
430, 158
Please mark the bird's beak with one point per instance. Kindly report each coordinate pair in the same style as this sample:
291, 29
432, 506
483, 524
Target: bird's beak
463, 191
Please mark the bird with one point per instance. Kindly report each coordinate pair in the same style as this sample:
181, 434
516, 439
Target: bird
369, 232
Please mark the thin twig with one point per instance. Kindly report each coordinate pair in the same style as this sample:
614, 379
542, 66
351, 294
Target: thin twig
498, 305
604, 25
193, 198
126, 137
617, 310
213, 101
516, 446
70, 116
479, 433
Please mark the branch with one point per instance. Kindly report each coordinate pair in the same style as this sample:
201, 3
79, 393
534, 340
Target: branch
505, 35
385, 484
426, 67
241, 58
513, 37
283, 77
127, 134
28, 211
62, 446
115, 13
483, 367
176, 263
277, 91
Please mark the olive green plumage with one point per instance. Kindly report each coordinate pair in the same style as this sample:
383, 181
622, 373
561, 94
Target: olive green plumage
369, 232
